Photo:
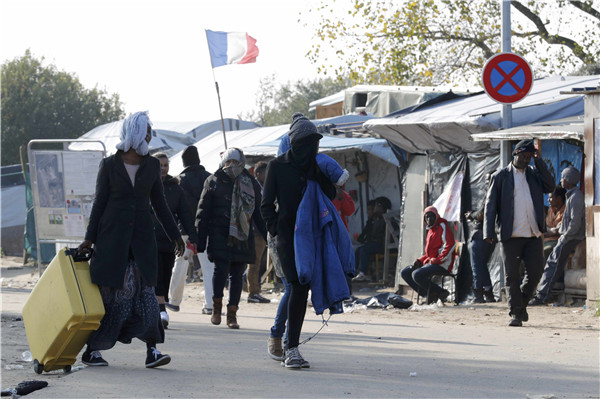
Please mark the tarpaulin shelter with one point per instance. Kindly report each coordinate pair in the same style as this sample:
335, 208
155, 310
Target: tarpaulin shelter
211, 146
443, 134
373, 155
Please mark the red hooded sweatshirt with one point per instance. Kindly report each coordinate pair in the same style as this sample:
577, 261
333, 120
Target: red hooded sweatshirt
439, 246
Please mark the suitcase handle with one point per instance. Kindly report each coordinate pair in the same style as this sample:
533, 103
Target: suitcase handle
77, 257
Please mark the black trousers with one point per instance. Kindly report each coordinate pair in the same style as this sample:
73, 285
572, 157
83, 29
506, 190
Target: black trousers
232, 272
296, 312
164, 272
531, 252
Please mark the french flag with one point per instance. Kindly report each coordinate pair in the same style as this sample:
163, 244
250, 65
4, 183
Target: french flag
231, 48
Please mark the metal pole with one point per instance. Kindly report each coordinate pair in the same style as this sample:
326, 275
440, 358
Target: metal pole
220, 111
506, 113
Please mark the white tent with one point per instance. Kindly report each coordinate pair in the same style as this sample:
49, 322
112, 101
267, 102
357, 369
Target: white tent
169, 137
448, 126
211, 147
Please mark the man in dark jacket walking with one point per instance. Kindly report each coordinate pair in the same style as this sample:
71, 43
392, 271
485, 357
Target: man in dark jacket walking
515, 204
285, 183
191, 180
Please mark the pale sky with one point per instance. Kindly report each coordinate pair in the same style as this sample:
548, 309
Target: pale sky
154, 54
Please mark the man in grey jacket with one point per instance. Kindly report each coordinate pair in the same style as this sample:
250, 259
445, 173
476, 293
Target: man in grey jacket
515, 205
572, 232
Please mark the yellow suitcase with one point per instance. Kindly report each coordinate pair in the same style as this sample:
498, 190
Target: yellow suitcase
61, 312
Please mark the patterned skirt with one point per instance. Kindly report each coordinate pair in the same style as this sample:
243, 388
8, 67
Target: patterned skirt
130, 312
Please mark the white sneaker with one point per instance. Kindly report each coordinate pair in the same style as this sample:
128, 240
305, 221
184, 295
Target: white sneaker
361, 277
164, 317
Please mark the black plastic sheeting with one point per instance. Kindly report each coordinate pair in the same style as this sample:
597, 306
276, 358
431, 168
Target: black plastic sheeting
443, 167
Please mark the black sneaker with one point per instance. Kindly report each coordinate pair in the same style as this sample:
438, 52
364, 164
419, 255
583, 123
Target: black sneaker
257, 298
515, 322
174, 308
524, 315
293, 359
93, 358
443, 296
155, 358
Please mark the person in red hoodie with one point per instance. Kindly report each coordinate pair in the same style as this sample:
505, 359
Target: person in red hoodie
438, 257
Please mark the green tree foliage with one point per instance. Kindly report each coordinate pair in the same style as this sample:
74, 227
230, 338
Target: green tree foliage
40, 102
431, 42
278, 102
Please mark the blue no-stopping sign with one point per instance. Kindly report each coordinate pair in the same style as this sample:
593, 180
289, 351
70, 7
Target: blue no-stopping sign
507, 78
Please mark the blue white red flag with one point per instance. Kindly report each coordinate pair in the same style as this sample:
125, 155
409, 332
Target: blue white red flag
231, 48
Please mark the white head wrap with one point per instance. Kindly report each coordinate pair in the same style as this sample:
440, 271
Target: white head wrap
133, 133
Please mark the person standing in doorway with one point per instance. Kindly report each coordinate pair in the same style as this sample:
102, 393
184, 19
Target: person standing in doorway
253, 270
515, 205
480, 251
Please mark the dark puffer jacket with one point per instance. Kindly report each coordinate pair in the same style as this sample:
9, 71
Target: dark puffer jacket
181, 213
214, 214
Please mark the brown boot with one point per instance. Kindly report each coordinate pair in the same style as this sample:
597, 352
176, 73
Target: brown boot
216, 313
231, 317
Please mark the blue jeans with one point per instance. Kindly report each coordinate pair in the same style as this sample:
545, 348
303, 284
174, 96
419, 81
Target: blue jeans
281, 317
555, 266
480, 252
419, 279
364, 252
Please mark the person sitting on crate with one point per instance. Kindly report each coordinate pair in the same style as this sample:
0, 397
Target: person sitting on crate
438, 257
124, 260
372, 237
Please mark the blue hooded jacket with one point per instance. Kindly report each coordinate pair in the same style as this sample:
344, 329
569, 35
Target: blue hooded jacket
324, 254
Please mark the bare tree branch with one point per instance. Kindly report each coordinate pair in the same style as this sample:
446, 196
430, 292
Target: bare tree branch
586, 7
553, 39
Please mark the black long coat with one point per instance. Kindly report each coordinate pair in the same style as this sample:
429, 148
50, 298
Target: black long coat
214, 214
120, 221
285, 184
180, 210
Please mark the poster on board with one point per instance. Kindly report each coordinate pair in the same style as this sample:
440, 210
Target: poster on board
63, 189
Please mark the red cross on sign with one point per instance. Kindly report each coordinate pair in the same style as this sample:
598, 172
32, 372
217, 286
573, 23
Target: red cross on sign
507, 78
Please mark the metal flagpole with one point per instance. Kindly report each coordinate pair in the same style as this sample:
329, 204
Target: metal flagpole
218, 94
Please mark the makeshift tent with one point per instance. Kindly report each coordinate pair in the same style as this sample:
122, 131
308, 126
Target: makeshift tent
356, 154
211, 146
448, 126
444, 132
373, 156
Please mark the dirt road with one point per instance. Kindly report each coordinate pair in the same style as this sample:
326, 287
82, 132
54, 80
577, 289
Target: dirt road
449, 351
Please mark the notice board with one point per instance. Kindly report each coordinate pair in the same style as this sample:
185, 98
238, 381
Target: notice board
63, 185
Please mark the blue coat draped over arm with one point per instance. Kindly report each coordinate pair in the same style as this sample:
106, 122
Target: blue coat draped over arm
324, 254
